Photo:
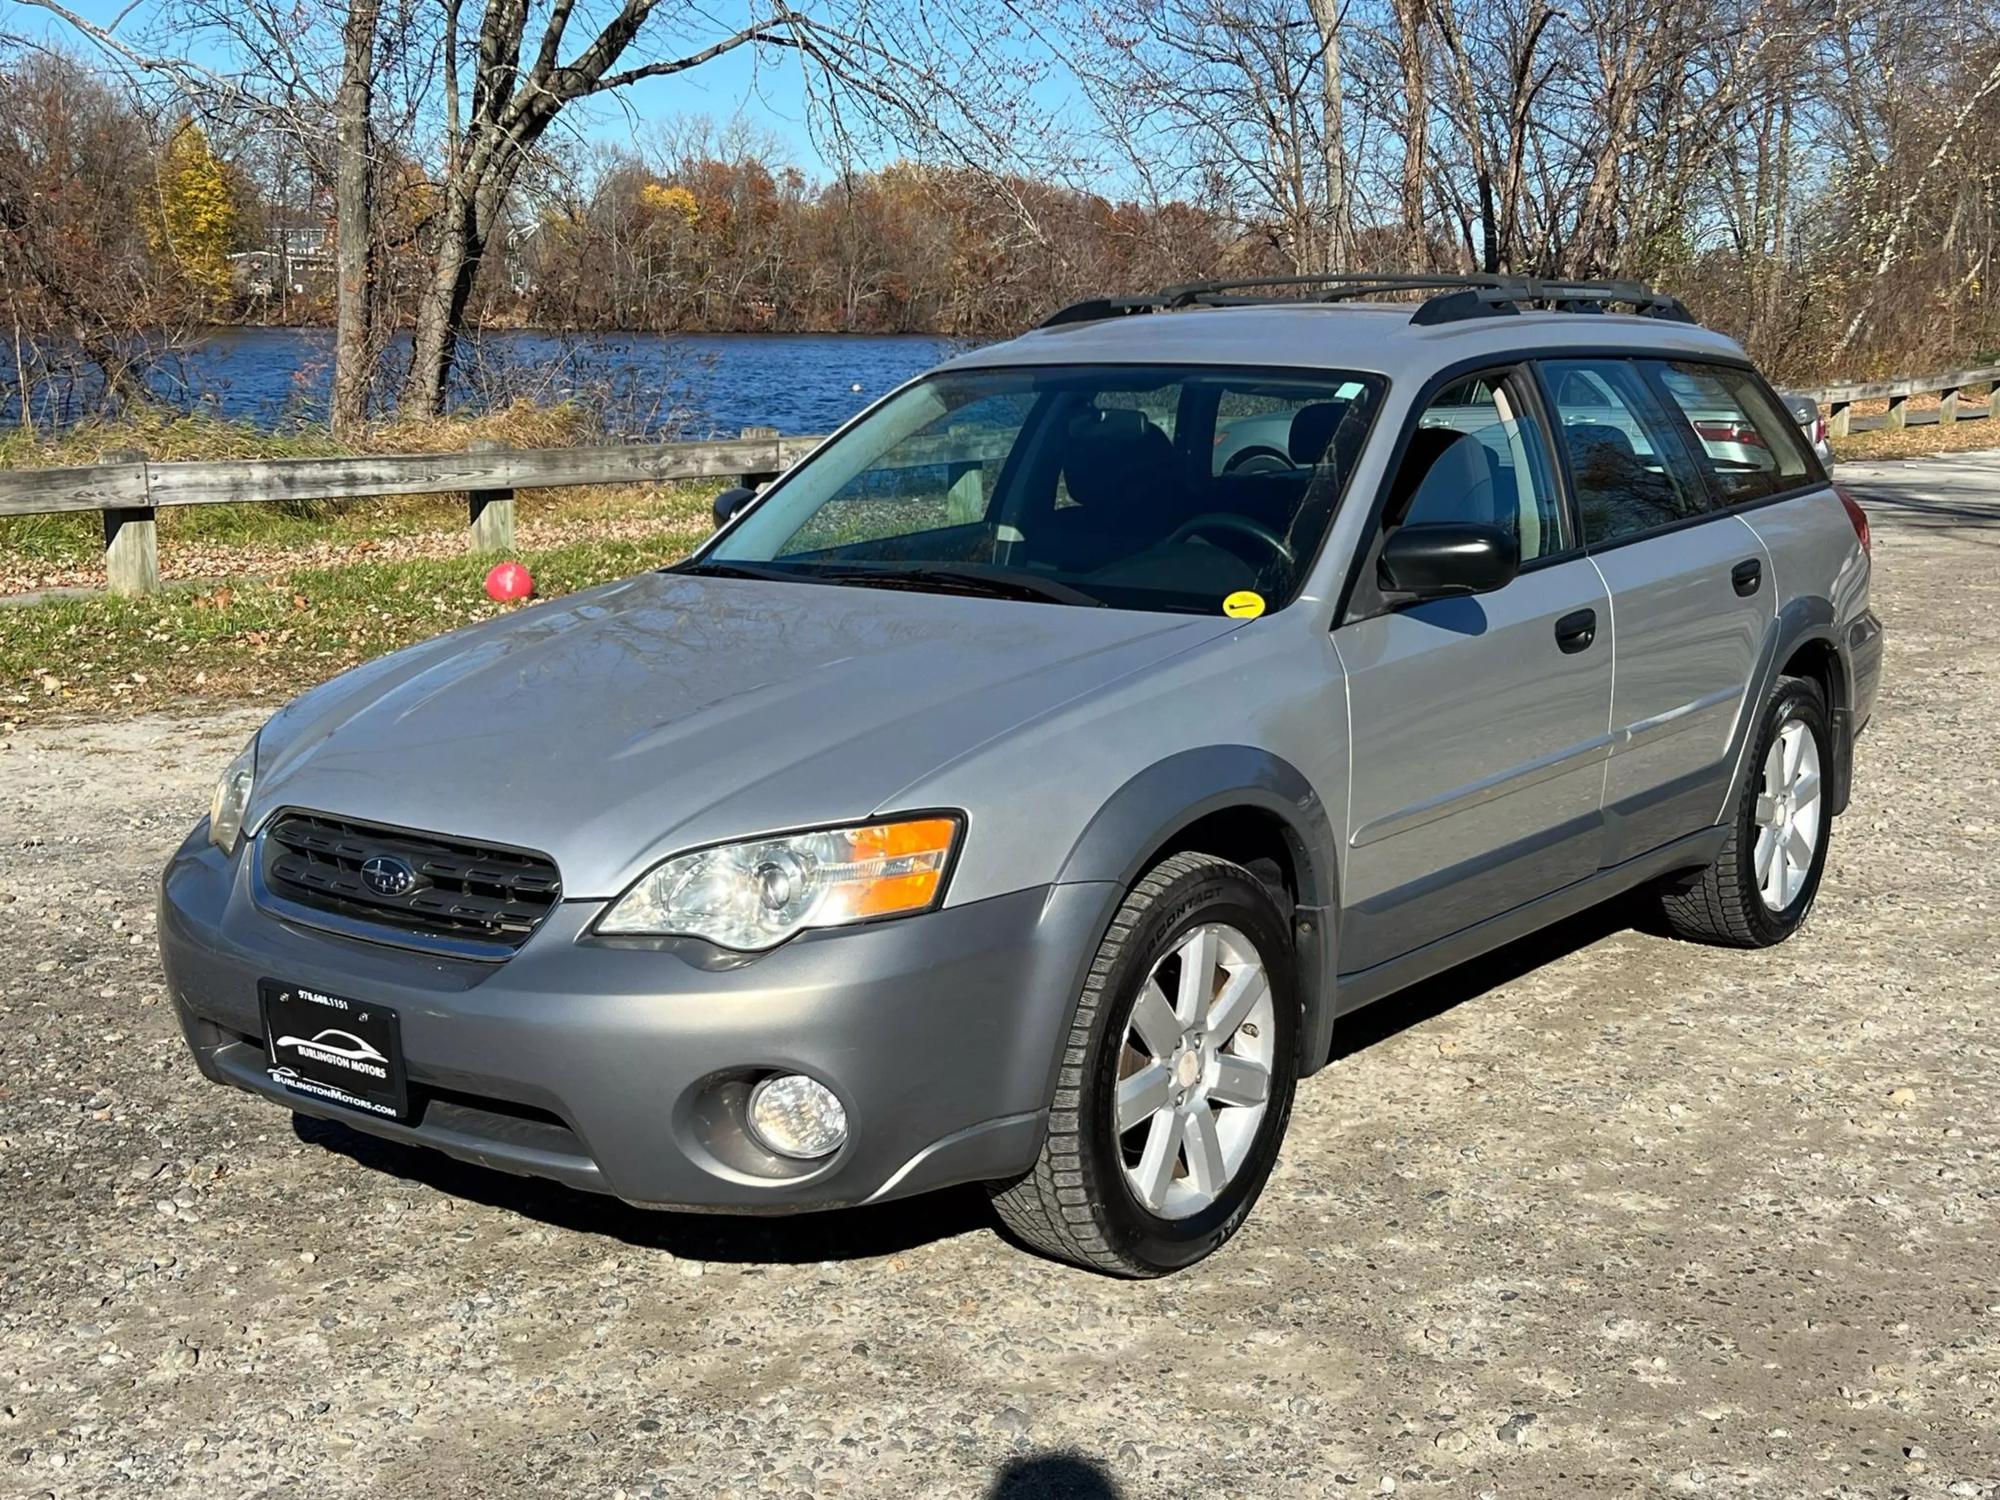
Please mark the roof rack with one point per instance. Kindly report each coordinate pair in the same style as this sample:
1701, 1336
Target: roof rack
1457, 297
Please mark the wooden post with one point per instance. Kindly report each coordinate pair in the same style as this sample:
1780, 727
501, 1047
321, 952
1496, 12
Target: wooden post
1836, 419
131, 540
762, 477
1948, 405
490, 525
1898, 412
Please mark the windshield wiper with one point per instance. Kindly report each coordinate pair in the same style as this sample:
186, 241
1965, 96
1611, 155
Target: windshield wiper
999, 583
740, 570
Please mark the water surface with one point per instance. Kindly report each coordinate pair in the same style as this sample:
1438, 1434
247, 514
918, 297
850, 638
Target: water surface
693, 385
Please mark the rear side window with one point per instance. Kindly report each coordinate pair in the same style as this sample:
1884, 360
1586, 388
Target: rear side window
1629, 470
1750, 447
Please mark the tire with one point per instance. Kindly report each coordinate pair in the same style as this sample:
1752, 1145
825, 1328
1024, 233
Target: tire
1726, 903
1259, 461
1081, 1202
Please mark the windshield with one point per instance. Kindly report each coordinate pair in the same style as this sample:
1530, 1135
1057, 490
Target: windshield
1135, 488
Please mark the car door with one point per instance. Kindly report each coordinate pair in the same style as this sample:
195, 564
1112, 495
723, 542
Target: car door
1478, 725
1691, 596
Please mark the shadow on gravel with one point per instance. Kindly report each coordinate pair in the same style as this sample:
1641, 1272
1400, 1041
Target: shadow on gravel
1961, 522
859, 1233
1053, 1476
1438, 994
838, 1234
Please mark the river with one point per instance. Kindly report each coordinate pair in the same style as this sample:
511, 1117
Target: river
692, 385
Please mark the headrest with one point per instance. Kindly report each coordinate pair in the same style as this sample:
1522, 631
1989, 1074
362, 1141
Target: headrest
1444, 472
1116, 453
1313, 428
1111, 424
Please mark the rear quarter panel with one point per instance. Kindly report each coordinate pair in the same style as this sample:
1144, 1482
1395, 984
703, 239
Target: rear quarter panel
1814, 550
1815, 556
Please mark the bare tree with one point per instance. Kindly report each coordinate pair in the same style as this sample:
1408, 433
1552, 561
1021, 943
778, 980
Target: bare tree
91, 311
354, 227
891, 70
1245, 97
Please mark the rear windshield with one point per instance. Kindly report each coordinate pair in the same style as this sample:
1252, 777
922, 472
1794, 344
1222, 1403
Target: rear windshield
1153, 488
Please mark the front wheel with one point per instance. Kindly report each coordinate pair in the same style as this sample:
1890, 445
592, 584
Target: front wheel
1761, 886
1176, 1080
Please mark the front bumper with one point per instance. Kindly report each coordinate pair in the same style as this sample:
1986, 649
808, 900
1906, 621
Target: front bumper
620, 1069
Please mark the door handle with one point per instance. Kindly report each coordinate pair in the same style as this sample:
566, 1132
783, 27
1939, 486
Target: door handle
1746, 575
1576, 630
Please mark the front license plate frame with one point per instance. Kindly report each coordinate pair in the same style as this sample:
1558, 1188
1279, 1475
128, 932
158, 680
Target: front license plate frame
335, 1049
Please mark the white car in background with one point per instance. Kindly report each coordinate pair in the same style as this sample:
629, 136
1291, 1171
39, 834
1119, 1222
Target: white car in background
1805, 411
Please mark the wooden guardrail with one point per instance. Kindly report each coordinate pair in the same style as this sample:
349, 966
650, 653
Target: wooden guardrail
129, 489
1838, 399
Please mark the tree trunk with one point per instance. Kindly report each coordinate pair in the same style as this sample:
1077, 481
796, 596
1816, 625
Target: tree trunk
354, 227
439, 306
1333, 137
1416, 131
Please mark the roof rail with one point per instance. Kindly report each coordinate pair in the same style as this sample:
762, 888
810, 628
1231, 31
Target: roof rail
1555, 296
1459, 296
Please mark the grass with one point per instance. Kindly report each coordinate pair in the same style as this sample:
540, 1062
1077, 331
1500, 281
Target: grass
51, 544
1914, 442
262, 640
289, 596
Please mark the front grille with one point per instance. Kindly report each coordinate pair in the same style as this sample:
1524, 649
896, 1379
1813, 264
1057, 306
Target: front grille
463, 890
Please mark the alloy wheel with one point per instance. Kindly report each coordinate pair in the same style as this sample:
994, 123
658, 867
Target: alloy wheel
1195, 1071
1787, 815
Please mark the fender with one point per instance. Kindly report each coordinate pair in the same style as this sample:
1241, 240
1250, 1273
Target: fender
1148, 812
1802, 621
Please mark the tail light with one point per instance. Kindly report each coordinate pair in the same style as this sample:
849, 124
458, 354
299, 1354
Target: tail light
1858, 516
1740, 433
1819, 430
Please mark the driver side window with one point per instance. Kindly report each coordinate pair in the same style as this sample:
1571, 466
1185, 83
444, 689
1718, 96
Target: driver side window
1479, 457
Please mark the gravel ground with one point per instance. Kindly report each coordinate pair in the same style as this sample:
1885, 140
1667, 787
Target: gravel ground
1602, 1214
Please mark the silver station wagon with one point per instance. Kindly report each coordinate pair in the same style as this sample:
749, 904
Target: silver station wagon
1021, 789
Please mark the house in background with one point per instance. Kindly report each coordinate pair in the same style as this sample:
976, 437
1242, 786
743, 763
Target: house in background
293, 262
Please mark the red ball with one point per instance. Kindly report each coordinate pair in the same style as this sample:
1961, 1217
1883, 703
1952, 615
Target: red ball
509, 581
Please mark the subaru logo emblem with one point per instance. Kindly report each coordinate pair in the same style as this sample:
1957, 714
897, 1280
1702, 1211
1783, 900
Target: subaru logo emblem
386, 875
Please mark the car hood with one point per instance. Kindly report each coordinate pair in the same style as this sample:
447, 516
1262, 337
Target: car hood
612, 728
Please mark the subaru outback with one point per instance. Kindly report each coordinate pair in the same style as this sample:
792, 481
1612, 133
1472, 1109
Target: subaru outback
1019, 791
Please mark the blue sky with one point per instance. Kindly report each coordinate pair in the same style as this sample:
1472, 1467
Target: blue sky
766, 91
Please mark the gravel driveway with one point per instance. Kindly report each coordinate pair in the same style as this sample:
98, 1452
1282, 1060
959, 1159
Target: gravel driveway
1602, 1214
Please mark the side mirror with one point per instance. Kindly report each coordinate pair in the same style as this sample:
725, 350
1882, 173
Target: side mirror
731, 501
1437, 561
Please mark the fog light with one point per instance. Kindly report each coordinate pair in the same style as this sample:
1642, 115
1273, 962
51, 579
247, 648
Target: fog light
792, 1115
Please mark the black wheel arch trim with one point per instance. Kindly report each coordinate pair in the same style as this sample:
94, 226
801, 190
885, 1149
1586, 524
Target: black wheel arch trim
1142, 820
1802, 622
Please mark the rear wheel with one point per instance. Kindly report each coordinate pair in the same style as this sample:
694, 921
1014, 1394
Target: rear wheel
1176, 1080
1763, 883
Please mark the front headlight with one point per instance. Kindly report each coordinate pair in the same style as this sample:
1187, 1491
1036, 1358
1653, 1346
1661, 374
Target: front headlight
232, 797
755, 894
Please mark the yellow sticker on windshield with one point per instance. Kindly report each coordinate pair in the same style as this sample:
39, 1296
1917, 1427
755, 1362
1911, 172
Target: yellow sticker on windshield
1243, 605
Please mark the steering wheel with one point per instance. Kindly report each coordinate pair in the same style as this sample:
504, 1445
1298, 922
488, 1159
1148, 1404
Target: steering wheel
1216, 520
